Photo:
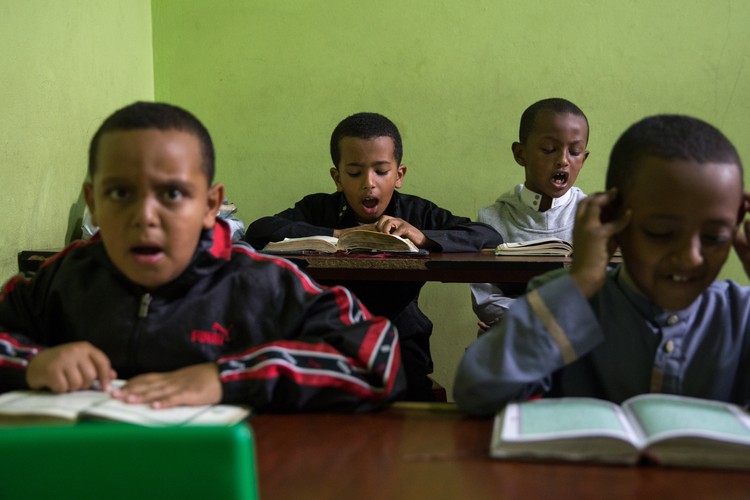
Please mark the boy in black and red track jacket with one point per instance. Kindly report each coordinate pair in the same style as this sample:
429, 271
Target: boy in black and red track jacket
366, 151
162, 297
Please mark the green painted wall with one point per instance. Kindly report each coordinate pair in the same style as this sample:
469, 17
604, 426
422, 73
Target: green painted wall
271, 79
65, 66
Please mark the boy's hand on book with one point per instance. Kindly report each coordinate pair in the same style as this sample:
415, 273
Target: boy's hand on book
594, 240
399, 227
70, 367
741, 241
192, 385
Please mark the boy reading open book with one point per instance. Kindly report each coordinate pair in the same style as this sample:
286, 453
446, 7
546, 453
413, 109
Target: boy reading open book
357, 241
366, 151
659, 322
552, 139
162, 297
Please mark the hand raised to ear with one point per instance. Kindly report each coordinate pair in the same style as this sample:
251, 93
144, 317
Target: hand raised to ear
741, 239
594, 240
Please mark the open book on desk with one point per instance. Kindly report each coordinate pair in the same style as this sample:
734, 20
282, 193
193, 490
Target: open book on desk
357, 241
30, 407
536, 247
653, 428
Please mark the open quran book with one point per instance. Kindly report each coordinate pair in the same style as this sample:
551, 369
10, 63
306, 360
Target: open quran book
28, 407
652, 428
357, 241
536, 247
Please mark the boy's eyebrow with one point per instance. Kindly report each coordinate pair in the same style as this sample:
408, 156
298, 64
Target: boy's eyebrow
677, 217
375, 163
179, 183
168, 183
113, 180
555, 139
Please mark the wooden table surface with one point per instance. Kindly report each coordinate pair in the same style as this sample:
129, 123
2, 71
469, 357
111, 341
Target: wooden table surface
443, 454
511, 273
473, 267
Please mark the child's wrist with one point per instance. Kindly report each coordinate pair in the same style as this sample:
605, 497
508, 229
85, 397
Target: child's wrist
587, 281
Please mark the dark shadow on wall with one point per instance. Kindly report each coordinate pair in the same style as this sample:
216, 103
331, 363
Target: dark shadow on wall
75, 217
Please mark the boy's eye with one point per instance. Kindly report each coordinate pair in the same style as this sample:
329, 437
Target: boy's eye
716, 239
576, 152
353, 174
382, 172
658, 234
547, 151
173, 194
116, 194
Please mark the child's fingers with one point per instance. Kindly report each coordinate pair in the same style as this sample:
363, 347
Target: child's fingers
741, 244
171, 399
590, 208
138, 389
57, 382
192, 385
159, 392
81, 375
92, 367
73, 379
68, 367
615, 226
102, 368
389, 225
595, 211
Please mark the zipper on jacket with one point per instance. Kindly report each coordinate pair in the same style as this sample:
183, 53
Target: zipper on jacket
142, 314
145, 302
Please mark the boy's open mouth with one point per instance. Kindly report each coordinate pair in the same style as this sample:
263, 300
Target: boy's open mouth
560, 178
147, 254
370, 203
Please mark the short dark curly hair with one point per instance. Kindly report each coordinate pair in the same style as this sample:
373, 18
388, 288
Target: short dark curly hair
365, 126
160, 116
668, 137
554, 104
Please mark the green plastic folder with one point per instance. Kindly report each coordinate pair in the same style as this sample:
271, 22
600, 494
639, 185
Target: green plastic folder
114, 460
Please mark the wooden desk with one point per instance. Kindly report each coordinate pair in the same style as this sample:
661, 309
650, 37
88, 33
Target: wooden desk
512, 273
415, 454
475, 267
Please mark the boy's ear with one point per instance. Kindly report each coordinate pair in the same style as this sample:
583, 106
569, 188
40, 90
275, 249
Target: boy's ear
517, 149
400, 173
215, 199
742, 212
88, 195
612, 210
336, 176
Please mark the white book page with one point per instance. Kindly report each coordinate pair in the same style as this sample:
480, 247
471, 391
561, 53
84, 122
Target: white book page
330, 239
565, 418
664, 416
143, 414
534, 242
67, 405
